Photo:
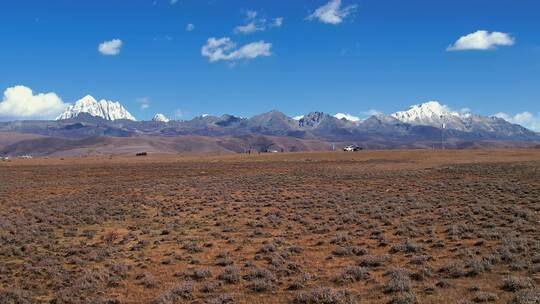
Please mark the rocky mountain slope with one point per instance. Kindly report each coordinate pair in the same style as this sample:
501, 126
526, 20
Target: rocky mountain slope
108, 110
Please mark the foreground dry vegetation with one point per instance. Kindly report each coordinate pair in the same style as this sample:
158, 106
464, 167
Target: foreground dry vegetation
377, 227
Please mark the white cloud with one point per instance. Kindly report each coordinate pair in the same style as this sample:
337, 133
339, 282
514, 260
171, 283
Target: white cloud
174, 1
218, 49
190, 27
348, 117
482, 40
248, 28
526, 119
19, 102
298, 117
253, 24
225, 49
251, 14
110, 48
332, 12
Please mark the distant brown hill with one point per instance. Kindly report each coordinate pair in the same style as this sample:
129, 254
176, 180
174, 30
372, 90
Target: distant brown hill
103, 145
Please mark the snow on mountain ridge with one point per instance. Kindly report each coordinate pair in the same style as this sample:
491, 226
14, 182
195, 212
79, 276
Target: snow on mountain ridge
160, 118
105, 109
348, 117
431, 113
421, 112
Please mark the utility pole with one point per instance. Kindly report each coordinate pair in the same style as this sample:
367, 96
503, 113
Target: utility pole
442, 134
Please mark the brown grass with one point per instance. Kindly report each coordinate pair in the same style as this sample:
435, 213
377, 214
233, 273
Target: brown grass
368, 227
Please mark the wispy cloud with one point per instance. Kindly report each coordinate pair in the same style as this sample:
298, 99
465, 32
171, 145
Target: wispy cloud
278, 22
254, 23
251, 14
144, 103
110, 48
526, 119
225, 49
249, 28
190, 27
180, 114
481, 41
333, 12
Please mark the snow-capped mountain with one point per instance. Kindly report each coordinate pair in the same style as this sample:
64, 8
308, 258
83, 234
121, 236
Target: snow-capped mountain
160, 118
431, 113
108, 110
348, 117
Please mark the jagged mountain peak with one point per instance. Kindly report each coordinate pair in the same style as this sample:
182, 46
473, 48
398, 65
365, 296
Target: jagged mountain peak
428, 111
227, 120
312, 119
87, 99
160, 118
431, 113
108, 110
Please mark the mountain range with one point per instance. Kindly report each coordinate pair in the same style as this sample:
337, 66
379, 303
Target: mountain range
104, 127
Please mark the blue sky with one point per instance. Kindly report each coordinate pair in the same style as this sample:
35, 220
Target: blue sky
350, 56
